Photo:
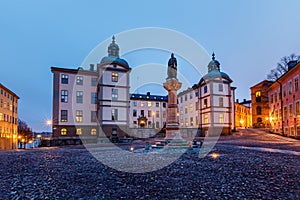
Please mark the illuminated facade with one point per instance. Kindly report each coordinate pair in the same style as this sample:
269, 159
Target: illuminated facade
8, 119
243, 118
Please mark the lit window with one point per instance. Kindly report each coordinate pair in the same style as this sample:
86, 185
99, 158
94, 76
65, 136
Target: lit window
191, 121
298, 108
79, 115
149, 103
186, 122
63, 115
205, 119
191, 107
149, 113
291, 110
64, 96
157, 114
93, 116
114, 94
94, 98
63, 131
185, 110
78, 131
197, 105
142, 104
205, 103
114, 77
258, 96
94, 82
114, 114
79, 97
221, 118
79, 80
93, 131
64, 79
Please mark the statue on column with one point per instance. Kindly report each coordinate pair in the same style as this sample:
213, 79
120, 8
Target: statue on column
172, 67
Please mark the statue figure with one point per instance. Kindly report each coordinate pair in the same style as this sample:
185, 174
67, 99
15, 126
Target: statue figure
172, 67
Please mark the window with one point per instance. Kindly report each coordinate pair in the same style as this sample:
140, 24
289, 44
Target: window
205, 89
93, 131
79, 115
221, 104
114, 94
298, 130
298, 108
186, 122
114, 132
291, 110
284, 90
197, 105
164, 104
258, 96
181, 99
191, 121
296, 83
142, 104
290, 87
78, 131
64, 79
196, 93
79, 97
93, 116
114, 114
63, 115
149, 113
114, 77
164, 114
259, 120
221, 118
63, 131
206, 119
94, 82
191, 95
185, 110
205, 103
285, 112
157, 114
142, 113
149, 104
134, 103
64, 96
79, 80
220, 87
157, 104
258, 110
134, 113
157, 124
292, 131
185, 97
94, 98
191, 107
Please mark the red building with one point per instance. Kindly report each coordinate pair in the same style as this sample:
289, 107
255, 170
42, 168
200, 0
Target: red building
284, 103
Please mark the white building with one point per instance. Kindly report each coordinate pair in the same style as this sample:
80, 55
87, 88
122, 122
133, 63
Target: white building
148, 111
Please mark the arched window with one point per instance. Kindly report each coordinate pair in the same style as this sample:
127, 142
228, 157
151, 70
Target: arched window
258, 110
63, 131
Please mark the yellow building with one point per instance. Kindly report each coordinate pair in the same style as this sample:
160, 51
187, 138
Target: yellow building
8, 119
243, 118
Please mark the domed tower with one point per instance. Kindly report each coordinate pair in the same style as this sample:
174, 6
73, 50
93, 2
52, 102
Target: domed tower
113, 93
216, 101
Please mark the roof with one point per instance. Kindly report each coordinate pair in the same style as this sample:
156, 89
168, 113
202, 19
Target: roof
148, 97
262, 82
113, 59
9, 91
79, 70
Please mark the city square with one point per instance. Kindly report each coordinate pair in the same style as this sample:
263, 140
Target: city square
251, 164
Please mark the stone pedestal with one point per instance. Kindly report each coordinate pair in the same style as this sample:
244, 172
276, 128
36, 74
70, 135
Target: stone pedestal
172, 85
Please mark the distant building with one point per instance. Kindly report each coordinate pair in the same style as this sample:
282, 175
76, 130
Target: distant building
243, 118
284, 102
148, 111
260, 104
8, 119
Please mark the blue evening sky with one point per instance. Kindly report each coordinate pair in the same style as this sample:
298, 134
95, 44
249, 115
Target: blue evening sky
248, 37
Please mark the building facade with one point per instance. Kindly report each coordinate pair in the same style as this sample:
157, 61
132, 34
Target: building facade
8, 119
209, 105
243, 118
92, 103
260, 104
284, 103
148, 111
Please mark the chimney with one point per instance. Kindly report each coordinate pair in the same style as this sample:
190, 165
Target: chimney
92, 67
237, 100
244, 100
292, 64
148, 94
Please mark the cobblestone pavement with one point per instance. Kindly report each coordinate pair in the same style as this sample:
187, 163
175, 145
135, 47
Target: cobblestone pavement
251, 165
